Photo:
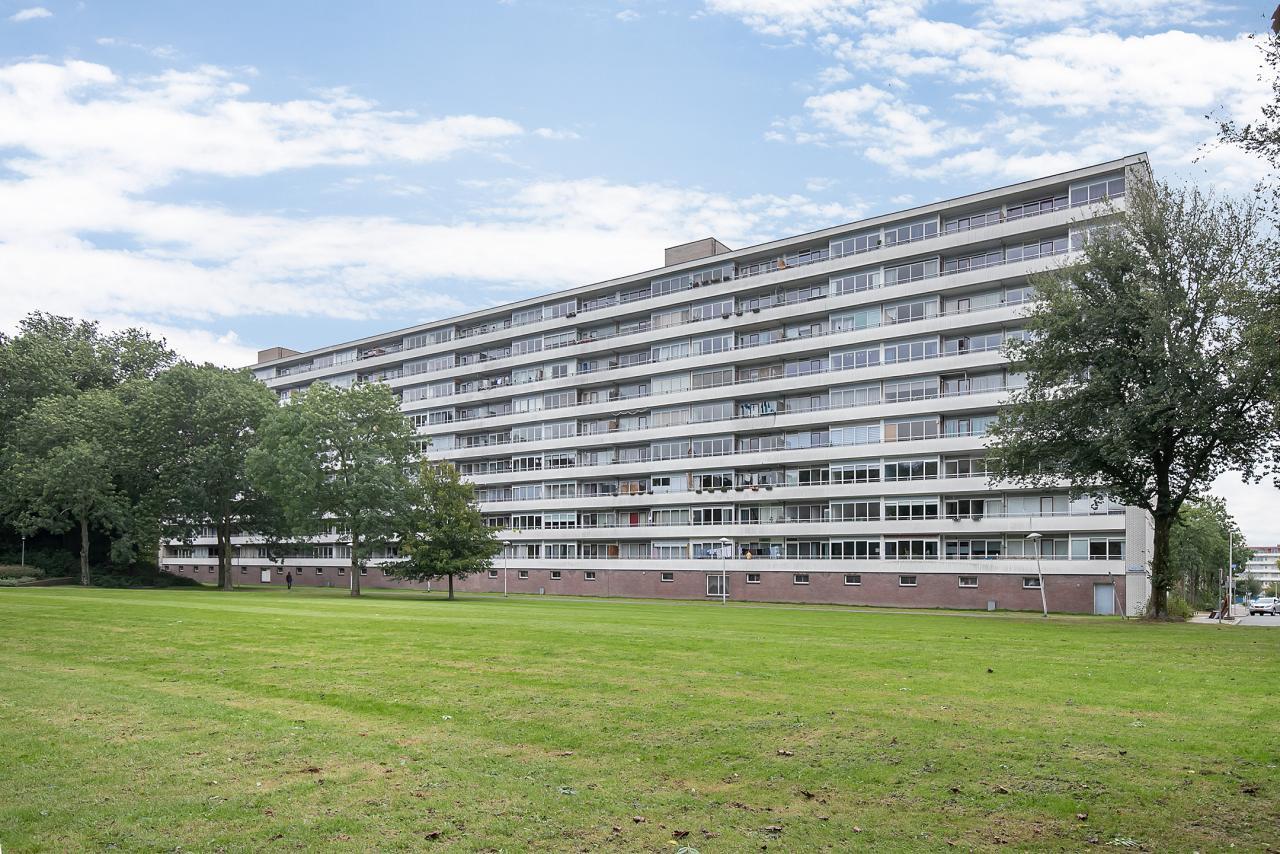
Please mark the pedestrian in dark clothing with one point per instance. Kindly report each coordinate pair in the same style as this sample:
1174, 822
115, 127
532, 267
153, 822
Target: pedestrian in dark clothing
288, 580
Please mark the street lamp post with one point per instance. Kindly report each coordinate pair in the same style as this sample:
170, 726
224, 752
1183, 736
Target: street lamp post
725, 543
1044, 604
24, 551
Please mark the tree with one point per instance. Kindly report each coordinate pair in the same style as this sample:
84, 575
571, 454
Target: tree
339, 459
448, 536
62, 464
1151, 364
1200, 545
196, 426
54, 355
1262, 137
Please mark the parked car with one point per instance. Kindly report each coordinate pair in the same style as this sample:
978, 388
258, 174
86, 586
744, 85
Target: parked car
1265, 606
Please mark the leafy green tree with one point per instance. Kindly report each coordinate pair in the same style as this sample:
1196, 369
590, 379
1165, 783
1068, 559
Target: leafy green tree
195, 426
54, 355
1152, 363
1261, 137
1200, 545
62, 467
448, 537
339, 458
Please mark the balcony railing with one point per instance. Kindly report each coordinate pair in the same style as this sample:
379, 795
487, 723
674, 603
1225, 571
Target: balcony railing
827, 520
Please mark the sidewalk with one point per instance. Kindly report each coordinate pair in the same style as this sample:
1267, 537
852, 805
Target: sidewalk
1237, 611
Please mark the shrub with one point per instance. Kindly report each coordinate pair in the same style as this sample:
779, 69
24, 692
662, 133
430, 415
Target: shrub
25, 572
14, 582
138, 575
1179, 608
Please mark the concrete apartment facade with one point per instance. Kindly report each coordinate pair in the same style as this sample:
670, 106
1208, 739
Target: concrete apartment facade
797, 421
1263, 565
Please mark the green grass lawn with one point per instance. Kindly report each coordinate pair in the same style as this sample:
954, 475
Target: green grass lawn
201, 720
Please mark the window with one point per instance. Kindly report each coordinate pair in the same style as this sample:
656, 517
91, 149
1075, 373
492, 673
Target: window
1030, 582
968, 581
856, 243
911, 549
867, 280
244, 571
1097, 191
911, 272
319, 571
856, 549
667, 576
906, 581
716, 585
524, 573
589, 575
753, 578
493, 573
555, 575
800, 578
852, 580
910, 232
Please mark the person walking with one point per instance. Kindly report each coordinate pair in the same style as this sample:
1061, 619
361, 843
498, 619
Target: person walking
288, 580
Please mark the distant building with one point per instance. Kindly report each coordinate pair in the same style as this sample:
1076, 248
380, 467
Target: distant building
819, 401
1262, 566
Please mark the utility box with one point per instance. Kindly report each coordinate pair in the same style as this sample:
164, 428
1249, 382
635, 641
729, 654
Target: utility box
991, 604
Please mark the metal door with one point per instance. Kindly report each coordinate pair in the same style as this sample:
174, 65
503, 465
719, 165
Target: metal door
1104, 599
266, 576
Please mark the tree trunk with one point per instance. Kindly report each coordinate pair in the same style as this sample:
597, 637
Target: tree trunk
1160, 579
355, 569
84, 551
224, 554
451, 585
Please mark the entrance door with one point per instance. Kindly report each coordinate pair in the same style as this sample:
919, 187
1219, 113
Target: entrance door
1104, 599
266, 576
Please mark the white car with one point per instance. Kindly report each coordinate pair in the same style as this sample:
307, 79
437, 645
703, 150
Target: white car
1265, 605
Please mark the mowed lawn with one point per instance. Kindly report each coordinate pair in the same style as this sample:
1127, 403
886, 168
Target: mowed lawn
261, 720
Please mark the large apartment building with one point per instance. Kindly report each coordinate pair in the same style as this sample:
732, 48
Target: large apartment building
1264, 565
801, 420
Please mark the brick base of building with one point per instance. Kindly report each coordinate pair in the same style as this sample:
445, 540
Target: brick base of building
1065, 593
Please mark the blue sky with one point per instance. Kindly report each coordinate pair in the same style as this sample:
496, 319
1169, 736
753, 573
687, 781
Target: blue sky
240, 175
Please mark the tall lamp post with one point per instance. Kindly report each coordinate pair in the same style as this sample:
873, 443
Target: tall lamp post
24, 551
725, 543
1044, 604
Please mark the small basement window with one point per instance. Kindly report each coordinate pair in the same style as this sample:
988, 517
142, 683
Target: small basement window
800, 578
1030, 582
555, 575
524, 573
589, 575
493, 573
968, 581
667, 576
906, 581
753, 578
852, 580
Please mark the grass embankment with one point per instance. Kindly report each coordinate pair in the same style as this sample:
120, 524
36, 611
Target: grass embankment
262, 720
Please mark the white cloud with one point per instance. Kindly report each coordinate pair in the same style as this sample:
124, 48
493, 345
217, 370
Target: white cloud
82, 233
80, 116
551, 133
1073, 83
30, 14
889, 130
628, 15
796, 17
1253, 505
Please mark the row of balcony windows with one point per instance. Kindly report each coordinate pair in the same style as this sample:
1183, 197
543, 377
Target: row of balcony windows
888, 430
864, 280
